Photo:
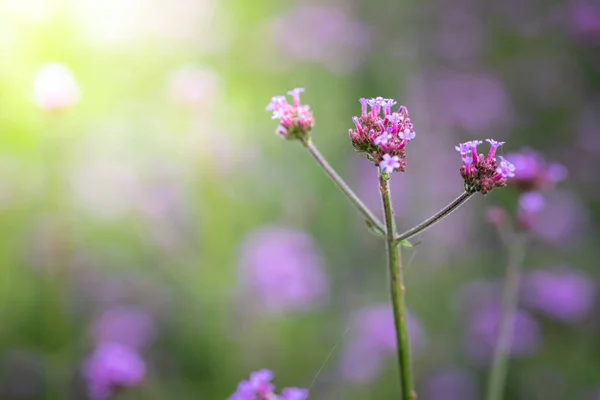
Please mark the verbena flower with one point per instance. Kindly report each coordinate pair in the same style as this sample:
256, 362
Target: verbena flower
533, 172
112, 367
295, 120
559, 293
259, 387
382, 134
483, 173
282, 267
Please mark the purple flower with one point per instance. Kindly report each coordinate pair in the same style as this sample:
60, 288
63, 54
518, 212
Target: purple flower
389, 164
559, 293
282, 268
295, 120
382, 136
373, 340
482, 334
383, 139
505, 169
451, 384
532, 172
481, 173
585, 18
493, 147
259, 387
128, 326
112, 366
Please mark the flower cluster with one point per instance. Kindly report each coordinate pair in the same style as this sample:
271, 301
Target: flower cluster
259, 387
120, 334
534, 172
382, 134
483, 173
295, 120
112, 367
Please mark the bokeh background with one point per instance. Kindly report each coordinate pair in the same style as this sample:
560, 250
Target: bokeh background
151, 219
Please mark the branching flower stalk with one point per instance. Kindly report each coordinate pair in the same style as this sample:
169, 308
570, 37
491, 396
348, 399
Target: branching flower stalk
383, 135
372, 220
429, 222
394, 259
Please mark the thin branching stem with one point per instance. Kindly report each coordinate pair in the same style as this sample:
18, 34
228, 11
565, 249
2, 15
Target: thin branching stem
397, 294
437, 217
339, 182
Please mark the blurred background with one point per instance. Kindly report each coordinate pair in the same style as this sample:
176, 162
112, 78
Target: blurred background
156, 233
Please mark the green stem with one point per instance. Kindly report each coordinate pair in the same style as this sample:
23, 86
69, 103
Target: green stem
397, 294
510, 297
444, 212
371, 219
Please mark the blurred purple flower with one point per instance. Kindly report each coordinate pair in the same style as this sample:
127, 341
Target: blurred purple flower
320, 34
259, 387
372, 341
533, 172
559, 293
111, 367
474, 102
282, 267
482, 333
128, 326
451, 384
585, 18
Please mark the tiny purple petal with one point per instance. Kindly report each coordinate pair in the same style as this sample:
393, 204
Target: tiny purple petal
505, 169
389, 163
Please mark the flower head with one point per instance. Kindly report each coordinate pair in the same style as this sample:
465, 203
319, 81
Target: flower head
112, 367
380, 132
259, 387
295, 120
533, 172
483, 173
